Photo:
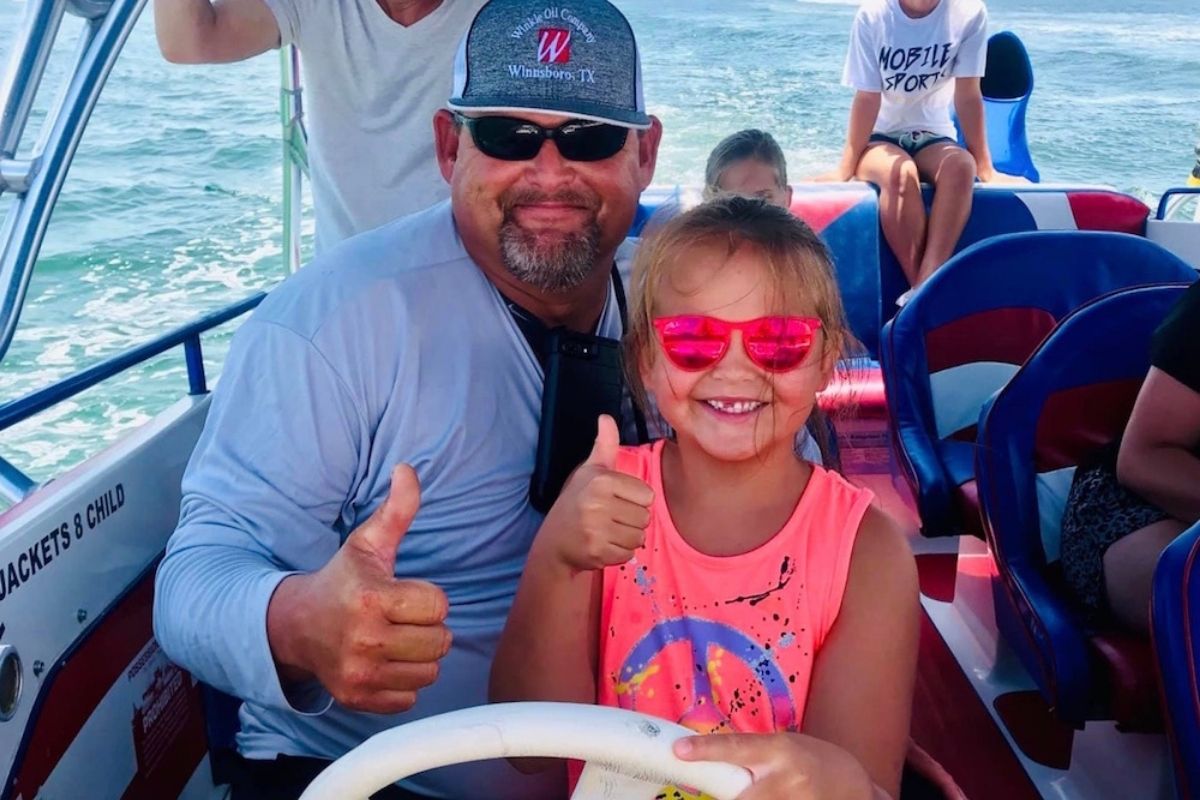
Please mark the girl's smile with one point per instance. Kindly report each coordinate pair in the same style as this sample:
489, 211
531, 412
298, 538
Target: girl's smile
735, 407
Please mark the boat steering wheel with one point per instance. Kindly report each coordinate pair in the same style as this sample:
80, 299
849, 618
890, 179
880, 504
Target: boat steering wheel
625, 750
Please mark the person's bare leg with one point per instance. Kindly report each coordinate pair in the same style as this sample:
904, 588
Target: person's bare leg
1129, 572
951, 170
901, 209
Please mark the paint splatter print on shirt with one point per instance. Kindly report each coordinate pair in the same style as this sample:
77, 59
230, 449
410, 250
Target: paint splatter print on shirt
725, 644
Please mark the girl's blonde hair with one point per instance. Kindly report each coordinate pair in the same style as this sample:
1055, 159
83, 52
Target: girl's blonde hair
796, 262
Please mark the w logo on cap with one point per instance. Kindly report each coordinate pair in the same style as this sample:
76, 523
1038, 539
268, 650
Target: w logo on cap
554, 46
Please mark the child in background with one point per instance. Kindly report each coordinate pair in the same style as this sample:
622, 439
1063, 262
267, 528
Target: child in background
750, 163
908, 60
717, 579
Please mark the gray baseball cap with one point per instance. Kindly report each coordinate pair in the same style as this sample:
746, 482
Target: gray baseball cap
578, 59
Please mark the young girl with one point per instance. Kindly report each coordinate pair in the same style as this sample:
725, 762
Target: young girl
716, 579
908, 60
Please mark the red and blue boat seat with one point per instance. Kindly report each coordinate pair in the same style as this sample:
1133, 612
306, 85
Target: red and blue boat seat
997, 210
1071, 397
968, 331
1175, 614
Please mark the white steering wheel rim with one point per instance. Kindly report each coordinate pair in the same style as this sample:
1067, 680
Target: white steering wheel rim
630, 743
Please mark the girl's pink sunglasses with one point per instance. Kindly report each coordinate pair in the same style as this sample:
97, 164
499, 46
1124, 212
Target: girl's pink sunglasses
776, 344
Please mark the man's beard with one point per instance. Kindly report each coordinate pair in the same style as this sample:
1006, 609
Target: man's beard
553, 261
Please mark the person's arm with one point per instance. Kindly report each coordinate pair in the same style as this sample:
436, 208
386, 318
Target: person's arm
860, 699
861, 73
204, 32
970, 64
257, 545
1157, 457
863, 113
968, 102
548, 650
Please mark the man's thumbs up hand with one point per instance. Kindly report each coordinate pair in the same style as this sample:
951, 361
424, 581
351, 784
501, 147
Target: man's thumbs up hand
380, 536
371, 639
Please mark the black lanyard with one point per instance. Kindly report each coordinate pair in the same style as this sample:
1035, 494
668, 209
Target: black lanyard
538, 335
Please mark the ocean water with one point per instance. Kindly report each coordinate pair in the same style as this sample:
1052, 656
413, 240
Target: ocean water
173, 203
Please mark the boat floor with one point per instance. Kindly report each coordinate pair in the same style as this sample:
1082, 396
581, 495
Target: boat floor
950, 722
976, 711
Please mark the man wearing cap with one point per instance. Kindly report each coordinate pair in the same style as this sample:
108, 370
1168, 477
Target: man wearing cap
374, 72
355, 516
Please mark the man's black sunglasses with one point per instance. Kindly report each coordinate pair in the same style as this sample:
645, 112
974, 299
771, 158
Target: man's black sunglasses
511, 139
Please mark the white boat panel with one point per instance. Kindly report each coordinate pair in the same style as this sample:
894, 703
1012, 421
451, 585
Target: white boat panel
1179, 236
1050, 210
68, 553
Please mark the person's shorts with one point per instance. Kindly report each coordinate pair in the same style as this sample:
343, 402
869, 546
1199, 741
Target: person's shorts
1099, 512
911, 142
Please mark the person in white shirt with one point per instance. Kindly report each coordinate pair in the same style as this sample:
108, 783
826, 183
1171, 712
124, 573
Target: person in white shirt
375, 71
908, 61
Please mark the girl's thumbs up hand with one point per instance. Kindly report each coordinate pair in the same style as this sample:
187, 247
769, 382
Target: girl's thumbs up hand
601, 516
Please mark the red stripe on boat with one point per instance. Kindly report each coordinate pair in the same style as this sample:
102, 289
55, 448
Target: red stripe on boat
953, 725
73, 692
1108, 211
936, 574
1075, 423
858, 391
1006, 335
821, 209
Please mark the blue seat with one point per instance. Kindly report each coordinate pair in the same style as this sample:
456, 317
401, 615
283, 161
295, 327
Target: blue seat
1070, 398
1007, 84
1175, 614
967, 331
847, 218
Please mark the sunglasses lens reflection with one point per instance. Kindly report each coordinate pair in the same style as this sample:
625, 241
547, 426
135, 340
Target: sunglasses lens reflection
774, 344
511, 139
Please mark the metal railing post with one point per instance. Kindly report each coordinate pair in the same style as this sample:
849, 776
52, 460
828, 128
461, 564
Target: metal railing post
42, 178
295, 154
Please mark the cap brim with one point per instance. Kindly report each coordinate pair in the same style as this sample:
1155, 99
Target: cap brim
595, 113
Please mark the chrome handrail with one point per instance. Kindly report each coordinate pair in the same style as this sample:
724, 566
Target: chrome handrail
295, 153
37, 180
1173, 199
